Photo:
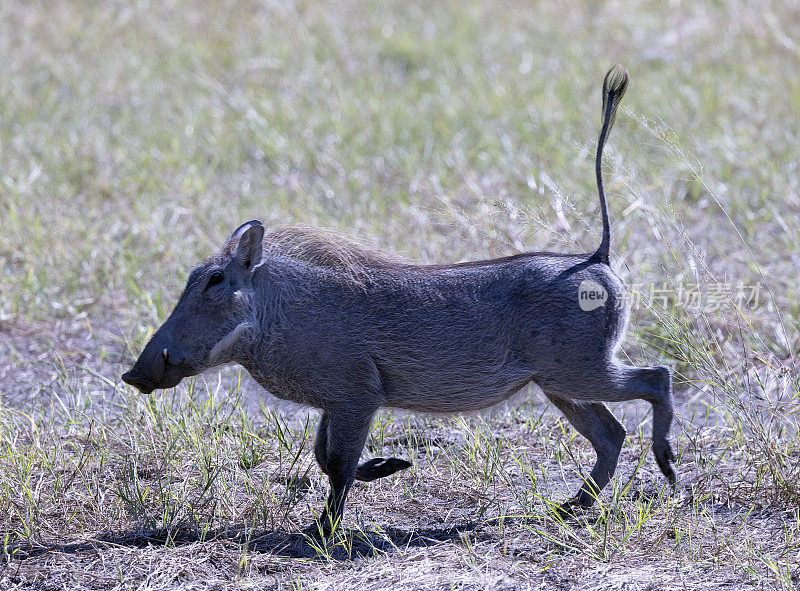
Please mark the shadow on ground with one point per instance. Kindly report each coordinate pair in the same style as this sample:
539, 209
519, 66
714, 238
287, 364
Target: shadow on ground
350, 545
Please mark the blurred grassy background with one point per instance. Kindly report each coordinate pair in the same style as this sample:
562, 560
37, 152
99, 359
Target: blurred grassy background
134, 137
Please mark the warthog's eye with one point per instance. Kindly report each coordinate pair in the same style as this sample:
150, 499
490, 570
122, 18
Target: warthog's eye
216, 277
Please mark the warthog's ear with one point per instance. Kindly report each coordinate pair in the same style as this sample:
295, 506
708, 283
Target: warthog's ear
248, 250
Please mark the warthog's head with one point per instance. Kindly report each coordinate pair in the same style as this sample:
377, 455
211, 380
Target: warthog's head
214, 316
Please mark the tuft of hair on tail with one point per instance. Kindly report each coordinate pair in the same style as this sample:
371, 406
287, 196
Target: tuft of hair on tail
614, 86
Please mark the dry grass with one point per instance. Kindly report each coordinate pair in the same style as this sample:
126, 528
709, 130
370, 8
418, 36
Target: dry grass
134, 138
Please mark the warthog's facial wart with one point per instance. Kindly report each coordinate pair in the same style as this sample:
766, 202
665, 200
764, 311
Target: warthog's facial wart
223, 348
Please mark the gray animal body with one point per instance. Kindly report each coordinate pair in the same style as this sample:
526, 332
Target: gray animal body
318, 320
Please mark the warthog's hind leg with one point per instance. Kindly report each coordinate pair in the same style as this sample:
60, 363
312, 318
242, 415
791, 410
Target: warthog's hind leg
618, 382
606, 434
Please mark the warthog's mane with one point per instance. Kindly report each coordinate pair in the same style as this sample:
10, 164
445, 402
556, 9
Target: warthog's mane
349, 259
332, 250
360, 264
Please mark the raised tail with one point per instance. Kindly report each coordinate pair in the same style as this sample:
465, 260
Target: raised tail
614, 86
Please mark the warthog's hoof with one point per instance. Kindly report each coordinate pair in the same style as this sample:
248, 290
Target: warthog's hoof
319, 529
571, 509
665, 458
380, 467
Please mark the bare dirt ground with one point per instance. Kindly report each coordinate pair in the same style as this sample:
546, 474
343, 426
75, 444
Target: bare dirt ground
458, 520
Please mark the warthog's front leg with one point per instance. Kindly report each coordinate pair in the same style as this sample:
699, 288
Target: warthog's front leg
366, 471
380, 467
340, 440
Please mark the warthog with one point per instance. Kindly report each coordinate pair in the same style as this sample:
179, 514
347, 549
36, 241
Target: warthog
319, 320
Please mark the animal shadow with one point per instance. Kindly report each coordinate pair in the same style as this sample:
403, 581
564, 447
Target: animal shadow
346, 545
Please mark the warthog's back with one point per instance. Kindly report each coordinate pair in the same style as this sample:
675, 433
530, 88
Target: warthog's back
448, 338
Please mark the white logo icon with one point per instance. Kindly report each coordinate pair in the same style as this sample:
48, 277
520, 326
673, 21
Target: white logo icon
591, 295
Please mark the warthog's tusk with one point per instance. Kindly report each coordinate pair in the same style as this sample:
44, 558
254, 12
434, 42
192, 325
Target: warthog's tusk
165, 353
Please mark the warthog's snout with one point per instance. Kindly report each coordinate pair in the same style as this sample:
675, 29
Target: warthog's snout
145, 386
158, 366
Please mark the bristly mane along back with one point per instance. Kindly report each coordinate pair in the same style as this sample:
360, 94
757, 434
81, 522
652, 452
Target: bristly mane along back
329, 249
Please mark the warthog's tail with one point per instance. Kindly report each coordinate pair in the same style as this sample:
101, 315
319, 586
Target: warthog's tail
614, 86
